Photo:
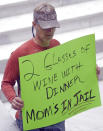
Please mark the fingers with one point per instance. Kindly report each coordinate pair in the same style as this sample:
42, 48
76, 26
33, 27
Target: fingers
17, 103
97, 70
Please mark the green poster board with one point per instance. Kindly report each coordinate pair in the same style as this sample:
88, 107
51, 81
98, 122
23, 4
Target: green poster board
59, 83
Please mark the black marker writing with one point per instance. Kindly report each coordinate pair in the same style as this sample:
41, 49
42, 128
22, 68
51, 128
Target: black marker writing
51, 59
28, 76
83, 97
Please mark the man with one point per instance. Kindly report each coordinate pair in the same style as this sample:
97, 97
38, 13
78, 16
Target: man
44, 23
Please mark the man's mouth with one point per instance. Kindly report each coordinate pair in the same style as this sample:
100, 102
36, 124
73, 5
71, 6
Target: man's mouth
49, 35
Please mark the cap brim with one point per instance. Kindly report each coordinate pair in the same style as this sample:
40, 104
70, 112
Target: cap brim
49, 24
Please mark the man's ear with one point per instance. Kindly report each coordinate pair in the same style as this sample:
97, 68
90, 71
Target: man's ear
33, 23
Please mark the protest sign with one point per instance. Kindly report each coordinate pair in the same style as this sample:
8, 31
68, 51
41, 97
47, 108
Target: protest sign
59, 83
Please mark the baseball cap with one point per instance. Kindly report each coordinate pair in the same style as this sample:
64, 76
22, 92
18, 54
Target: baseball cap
45, 15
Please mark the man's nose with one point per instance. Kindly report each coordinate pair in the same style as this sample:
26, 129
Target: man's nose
50, 29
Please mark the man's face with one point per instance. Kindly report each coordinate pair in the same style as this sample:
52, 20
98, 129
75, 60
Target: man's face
44, 34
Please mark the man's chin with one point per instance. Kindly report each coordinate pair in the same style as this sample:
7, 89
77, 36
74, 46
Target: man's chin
49, 37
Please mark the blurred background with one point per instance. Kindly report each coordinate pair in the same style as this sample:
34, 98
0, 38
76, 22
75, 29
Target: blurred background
77, 18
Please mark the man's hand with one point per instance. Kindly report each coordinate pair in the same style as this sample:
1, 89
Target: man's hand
17, 103
97, 70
